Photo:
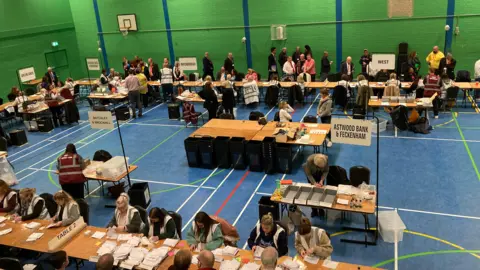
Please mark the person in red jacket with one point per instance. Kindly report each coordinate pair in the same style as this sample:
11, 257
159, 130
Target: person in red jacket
70, 166
432, 86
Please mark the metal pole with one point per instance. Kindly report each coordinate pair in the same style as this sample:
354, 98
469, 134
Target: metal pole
124, 156
378, 169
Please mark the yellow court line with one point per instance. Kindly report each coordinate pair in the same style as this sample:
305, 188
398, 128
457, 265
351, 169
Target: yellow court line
474, 103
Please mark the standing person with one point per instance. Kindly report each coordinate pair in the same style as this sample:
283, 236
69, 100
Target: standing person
229, 64
365, 59
316, 169
289, 70
309, 67
300, 64
228, 98
166, 80
324, 111
132, 84
205, 233
52, 99
221, 75
433, 59
52, 77
9, 201
31, 207
250, 91
447, 66
143, 89
326, 66
210, 100
162, 225
272, 63
167, 62
432, 86
308, 51
178, 73
70, 172
285, 110
152, 72
207, 66
414, 62
348, 68
311, 240
126, 218
282, 57
296, 55
68, 210
269, 259
125, 65
268, 234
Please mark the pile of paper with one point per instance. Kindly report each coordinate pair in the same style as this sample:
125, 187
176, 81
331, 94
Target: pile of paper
289, 264
170, 242
230, 251
330, 264
154, 258
134, 241
6, 231
311, 259
345, 189
230, 265
195, 259
124, 237
135, 258
34, 237
251, 266
32, 225
107, 247
98, 235
318, 131
121, 253
112, 234
258, 253
2, 219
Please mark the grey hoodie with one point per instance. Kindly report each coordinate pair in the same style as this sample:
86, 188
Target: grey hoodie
324, 107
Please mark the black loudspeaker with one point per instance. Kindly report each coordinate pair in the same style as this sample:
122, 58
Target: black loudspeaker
45, 124
173, 111
122, 113
403, 48
401, 60
18, 137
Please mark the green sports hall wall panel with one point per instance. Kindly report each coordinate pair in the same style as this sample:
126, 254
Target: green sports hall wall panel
384, 36
466, 45
320, 37
27, 29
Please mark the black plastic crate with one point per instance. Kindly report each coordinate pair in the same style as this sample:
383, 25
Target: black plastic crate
265, 206
192, 152
284, 158
254, 154
207, 152
140, 194
237, 153
269, 154
222, 153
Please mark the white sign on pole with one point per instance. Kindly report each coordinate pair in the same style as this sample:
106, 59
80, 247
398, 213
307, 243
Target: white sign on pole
93, 64
188, 63
100, 119
26, 74
383, 61
351, 131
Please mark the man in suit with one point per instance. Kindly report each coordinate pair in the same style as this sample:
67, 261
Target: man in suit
52, 77
272, 63
229, 65
207, 66
221, 75
152, 72
348, 68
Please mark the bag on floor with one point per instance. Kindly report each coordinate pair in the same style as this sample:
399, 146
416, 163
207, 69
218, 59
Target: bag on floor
254, 116
7, 173
421, 126
102, 155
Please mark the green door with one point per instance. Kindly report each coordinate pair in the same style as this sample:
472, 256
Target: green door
58, 60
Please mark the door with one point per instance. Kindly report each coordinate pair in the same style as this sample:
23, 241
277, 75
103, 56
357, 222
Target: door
58, 61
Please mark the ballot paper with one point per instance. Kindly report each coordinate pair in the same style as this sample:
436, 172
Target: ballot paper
318, 131
311, 125
32, 225
134, 241
135, 258
230, 265
29, 267
51, 225
250, 266
195, 259
342, 201
289, 264
154, 257
170, 242
344, 189
230, 251
311, 259
121, 253
330, 264
112, 234
385, 103
3, 232
34, 237
2, 219
98, 235
107, 248
124, 237
258, 253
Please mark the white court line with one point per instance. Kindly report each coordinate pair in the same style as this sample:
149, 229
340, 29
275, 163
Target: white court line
437, 213
52, 140
428, 139
157, 125
195, 191
208, 199
100, 130
168, 183
263, 193
249, 200
246, 242
27, 175
301, 120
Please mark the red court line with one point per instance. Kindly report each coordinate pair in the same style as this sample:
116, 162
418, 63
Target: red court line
232, 192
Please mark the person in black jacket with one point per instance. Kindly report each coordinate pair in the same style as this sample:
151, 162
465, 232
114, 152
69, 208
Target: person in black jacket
326, 66
272, 63
282, 57
365, 59
296, 55
207, 66
382, 76
211, 101
228, 98
229, 65
265, 235
152, 72
447, 66
52, 77
348, 68
413, 62
308, 51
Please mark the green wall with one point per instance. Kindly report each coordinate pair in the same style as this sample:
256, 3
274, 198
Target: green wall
466, 45
27, 29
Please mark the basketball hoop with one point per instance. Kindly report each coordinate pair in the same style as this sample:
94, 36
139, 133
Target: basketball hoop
124, 31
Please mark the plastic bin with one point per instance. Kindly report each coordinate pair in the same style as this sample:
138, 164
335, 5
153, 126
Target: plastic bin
207, 152
382, 122
114, 167
192, 152
254, 154
237, 153
265, 206
284, 158
140, 195
268, 153
390, 223
222, 153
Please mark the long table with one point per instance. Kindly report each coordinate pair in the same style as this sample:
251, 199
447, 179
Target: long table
83, 246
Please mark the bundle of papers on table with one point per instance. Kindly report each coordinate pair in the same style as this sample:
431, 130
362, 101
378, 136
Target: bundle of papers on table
124, 237
227, 251
291, 265
2, 219
250, 266
170, 242
34, 237
108, 247
32, 225
134, 241
121, 253
258, 253
6, 231
135, 258
230, 265
154, 258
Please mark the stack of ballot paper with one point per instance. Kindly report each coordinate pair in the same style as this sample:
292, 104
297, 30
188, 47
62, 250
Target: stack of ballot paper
154, 258
134, 241
258, 253
6, 231
170, 242
34, 237
2, 219
32, 225
112, 234
291, 265
98, 235
124, 237
251, 266
135, 258
107, 247
311, 259
195, 259
121, 253
230, 265
230, 251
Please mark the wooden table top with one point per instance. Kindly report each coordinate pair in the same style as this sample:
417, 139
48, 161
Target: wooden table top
195, 98
86, 81
315, 139
111, 96
94, 176
3, 154
379, 103
33, 82
224, 132
233, 124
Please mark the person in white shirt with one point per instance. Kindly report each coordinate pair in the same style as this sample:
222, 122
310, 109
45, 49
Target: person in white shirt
477, 71
178, 73
70, 85
285, 110
166, 80
289, 70
19, 100
393, 81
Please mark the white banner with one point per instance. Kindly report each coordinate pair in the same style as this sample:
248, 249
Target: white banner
93, 64
188, 63
383, 61
351, 131
26, 74
100, 119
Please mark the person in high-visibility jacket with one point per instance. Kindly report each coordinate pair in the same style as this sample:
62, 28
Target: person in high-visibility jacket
70, 166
